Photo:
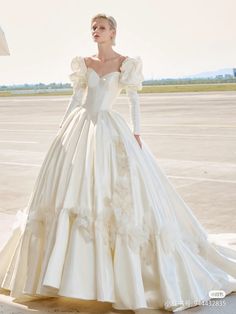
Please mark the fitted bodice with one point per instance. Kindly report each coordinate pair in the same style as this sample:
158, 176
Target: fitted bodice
98, 93
102, 91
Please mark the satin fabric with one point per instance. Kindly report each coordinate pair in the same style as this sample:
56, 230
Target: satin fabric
103, 221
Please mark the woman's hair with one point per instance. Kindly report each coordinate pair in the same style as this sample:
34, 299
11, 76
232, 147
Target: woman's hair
111, 21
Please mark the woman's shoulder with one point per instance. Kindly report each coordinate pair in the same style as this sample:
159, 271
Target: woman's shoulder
132, 72
79, 69
128, 60
78, 64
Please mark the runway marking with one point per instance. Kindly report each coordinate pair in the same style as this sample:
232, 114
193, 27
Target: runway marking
186, 184
34, 99
27, 130
217, 163
193, 125
23, 152
202, 179
189, 134
26, 122
19, 164
19, 142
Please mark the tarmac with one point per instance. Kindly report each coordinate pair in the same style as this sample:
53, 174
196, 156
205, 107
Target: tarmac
192, 135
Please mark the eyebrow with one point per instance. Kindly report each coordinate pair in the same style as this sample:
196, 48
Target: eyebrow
97, 26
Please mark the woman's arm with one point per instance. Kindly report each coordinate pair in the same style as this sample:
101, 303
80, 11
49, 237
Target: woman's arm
135, 113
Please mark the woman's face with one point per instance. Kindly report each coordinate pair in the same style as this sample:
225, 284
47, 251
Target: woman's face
101, 31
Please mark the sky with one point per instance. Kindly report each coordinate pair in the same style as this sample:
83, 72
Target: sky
174, 38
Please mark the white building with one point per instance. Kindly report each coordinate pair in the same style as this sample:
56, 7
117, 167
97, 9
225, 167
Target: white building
4, 50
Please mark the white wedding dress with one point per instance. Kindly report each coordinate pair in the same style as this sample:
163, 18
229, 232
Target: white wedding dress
103, 221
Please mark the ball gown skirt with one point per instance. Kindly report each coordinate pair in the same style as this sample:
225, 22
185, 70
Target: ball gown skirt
103, 221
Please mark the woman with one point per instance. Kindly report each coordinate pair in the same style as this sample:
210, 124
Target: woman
103, 222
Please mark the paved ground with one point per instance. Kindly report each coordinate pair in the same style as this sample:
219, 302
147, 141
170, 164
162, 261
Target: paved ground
191, 134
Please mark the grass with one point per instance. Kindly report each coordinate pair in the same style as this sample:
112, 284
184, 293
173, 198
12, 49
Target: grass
148, 89
189, 88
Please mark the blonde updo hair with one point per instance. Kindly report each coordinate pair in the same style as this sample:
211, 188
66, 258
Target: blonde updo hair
111, 21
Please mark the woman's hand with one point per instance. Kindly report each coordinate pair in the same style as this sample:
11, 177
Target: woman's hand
137, 136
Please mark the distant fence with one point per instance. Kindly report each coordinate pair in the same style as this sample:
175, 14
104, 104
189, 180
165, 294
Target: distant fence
40, 91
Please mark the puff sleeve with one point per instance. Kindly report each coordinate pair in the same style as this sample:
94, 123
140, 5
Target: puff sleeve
131, 80
79, 84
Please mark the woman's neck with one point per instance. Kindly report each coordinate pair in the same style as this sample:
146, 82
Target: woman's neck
106, 53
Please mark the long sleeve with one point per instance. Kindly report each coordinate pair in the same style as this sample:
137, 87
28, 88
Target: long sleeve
134, 110
131, 80
79, 83
75, 101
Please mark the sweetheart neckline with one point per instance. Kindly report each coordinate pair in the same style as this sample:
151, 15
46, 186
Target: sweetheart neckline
102, 76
